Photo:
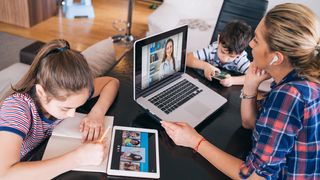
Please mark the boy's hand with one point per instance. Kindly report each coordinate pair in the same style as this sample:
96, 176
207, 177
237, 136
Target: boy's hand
210, 71
228, 81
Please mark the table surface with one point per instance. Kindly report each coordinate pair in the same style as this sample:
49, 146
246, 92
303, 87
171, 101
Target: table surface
222, 128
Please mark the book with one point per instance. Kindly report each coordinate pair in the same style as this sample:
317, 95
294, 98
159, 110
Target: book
67, 137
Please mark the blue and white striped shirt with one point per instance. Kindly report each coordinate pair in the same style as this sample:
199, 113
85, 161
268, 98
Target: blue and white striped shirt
209, 54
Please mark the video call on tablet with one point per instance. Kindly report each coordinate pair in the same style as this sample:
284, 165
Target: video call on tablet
134, 152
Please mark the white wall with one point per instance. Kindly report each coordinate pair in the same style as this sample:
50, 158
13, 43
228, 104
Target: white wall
314, 5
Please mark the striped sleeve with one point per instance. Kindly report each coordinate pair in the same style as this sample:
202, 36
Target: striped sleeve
242, 63
15, 116
205, 54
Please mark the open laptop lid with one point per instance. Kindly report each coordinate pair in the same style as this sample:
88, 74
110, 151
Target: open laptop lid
152, 65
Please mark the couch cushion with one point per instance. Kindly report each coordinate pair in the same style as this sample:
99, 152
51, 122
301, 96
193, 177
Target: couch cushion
11, 75
100, 56
28, 53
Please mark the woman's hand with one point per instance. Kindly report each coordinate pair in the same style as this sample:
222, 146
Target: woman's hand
210, 71
92, 126
182, 134
253, 78
227, 82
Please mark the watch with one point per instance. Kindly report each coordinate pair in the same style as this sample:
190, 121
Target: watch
244, 96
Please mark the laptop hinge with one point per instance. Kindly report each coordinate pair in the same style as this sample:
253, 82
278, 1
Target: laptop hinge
161, 85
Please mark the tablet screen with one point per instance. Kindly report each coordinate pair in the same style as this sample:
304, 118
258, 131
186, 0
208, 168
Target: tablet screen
134, 151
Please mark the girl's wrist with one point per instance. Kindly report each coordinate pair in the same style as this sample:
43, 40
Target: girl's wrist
75, 158
97, 111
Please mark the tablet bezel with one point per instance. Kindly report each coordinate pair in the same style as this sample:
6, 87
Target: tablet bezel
133, 173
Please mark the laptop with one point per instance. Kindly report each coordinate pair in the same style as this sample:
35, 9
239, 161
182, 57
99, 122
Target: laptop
160, 84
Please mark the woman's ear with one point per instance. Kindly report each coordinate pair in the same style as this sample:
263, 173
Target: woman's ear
41, 93
280, 58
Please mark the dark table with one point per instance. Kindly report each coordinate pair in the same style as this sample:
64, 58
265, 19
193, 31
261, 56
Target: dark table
222, 128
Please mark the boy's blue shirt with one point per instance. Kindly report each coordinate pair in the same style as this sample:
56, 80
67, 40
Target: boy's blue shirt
209, 54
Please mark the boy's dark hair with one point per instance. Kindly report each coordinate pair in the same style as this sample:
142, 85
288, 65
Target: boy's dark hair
236, 36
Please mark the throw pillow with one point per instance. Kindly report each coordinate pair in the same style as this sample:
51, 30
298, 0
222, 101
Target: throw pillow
100, 57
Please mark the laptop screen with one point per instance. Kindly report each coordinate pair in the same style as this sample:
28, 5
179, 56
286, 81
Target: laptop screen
159, 58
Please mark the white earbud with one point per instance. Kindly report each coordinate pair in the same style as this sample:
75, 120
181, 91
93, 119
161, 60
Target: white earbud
274, 59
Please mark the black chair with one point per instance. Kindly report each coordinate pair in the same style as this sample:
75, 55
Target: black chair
250, 11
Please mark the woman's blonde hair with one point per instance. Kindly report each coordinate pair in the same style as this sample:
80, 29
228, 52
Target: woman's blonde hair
294, 30
58, 69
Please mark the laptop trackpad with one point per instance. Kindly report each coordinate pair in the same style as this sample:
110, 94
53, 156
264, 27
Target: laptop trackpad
197, 109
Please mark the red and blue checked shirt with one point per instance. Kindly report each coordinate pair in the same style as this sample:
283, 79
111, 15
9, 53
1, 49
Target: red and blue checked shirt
286, 139
19, 115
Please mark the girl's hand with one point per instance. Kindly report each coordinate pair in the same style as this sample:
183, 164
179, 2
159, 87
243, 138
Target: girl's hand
227, 82
92, 126
253, 78
210, 71
91, 153
181, 133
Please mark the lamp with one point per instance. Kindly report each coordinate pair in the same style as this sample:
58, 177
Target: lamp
127, 38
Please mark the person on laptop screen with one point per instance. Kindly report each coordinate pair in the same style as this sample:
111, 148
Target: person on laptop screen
161, 59
227, 52
168, 64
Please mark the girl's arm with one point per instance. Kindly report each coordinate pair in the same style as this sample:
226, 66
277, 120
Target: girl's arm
92, 126
12, 168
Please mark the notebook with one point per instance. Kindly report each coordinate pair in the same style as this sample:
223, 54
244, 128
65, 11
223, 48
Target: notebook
161, 85
67, 137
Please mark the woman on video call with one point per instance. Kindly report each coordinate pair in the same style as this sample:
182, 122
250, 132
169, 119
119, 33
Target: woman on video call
168, 64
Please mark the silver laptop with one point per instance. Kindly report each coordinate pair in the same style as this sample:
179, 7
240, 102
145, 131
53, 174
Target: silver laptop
160, 84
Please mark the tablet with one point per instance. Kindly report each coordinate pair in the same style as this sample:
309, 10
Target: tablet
134, 152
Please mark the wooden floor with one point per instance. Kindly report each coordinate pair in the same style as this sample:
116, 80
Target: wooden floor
83, 32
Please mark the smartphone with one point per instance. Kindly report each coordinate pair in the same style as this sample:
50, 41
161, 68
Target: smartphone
220, 76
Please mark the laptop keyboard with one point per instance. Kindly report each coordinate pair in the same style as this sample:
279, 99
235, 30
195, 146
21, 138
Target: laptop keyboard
175, 96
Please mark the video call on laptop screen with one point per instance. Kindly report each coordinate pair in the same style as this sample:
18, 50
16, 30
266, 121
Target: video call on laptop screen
160, 57
134, 151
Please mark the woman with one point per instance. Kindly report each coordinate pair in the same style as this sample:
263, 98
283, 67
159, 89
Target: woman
168, 64
286, 139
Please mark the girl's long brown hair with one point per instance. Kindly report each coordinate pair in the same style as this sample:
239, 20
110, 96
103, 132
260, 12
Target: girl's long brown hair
58, 69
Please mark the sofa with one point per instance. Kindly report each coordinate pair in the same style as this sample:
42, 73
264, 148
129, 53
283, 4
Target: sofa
100, 57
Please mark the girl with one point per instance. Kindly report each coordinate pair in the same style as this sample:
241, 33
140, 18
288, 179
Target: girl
58, 81
286, 138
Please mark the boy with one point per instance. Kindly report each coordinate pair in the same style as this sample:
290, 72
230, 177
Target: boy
227, 52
